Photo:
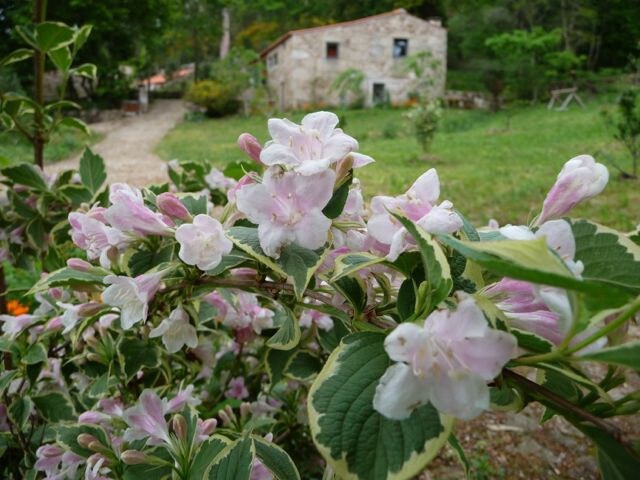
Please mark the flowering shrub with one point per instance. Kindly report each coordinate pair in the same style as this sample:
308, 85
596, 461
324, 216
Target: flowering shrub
231, 326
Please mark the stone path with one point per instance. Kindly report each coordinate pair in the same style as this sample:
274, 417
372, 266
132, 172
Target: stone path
127, 147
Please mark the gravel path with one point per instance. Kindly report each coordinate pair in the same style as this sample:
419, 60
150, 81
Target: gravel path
127, 147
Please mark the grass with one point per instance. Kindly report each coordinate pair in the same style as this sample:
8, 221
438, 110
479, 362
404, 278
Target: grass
490, 165
15, 149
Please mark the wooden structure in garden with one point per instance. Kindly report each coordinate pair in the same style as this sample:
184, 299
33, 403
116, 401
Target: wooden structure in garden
568, 94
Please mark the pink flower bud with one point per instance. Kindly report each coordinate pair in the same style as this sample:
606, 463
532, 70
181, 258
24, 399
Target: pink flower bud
581, 178
79, 265
179, 425
250, 145
89, 309
171, 206
207, 427
86, 439
133, 457
93, 417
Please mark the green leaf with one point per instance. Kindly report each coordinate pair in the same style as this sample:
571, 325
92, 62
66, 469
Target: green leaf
81, 36
436, 267
75, 123
627, 355
16, 56
5, 379
352, 262
87, 70
532, 342
330, 339
295, 262
460, 455
533, 261
608, 256
288, 335
55, 406
233, 259
275, 459
67, 277
19, 411
195, 205
144, 260
276, 364
205, 456
234, 461
334, 208
35, 354
354, 290
52, 35
303, 366
356, 440
505, 398
61, 58
76, 194
26, 174
35, 233
615, 461
67, 437
7, 123
135, 354
237, 170
92, 171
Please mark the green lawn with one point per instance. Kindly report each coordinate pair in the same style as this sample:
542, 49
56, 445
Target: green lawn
486, 170
15, 149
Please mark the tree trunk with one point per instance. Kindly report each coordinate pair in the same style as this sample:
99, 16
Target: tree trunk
225, 42
39, 10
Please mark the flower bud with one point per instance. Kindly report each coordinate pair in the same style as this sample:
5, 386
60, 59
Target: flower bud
171, 206
245, 409
208, 426
179, 425
79, 265
226, 420
97, 447
86, 439
581, 178
89, 309
94, 357
343, 168
134, 457
250, 145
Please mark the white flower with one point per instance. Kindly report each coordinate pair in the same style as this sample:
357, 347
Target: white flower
131, 295
203, 242
176, 331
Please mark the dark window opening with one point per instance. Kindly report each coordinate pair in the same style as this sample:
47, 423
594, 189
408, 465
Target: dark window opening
400, 47
332, 49
379, 93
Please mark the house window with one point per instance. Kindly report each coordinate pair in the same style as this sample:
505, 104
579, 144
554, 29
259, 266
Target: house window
332, 49
379, 94
400, 47
272, 60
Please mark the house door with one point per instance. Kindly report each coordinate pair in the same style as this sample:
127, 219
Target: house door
379, 94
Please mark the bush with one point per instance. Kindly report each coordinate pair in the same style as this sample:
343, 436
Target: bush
215, 97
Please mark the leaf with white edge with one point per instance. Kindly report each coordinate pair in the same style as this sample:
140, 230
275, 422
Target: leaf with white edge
75, 123
35, 354
61, 58
276, 362
288, 334
627, 355
436, 268
87, 70
233, 259
136, 354
5, 379
67, 277
275, 459
357, 441
20, 410
52, 35
353, 262
505, 398
81, 36
607, 255
67, 437
205, 456
616, 461
532, 342
303, 366
533, 261
55, 406
234, 461
92, 171
460, 455
195, 205
295, 262
16, 56
27, 175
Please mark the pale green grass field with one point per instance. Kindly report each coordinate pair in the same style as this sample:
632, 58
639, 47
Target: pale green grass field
486, 169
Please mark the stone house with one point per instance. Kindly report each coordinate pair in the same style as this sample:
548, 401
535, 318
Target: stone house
302, 64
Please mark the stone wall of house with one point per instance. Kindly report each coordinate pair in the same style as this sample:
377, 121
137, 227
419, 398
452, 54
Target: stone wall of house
303, 74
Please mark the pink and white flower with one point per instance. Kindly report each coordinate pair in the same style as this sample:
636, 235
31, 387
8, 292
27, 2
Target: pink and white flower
237, 389
132, 295
314, 317
147, 419
216, 180
203, 242
311, 147
128, 213
448, 362
176, 331
14, 325
581, 178
419, 205
288, 207
91, 234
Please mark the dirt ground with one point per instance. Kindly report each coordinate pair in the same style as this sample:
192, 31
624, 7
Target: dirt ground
128, 143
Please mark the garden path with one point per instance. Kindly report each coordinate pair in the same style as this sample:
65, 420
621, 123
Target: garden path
128, 143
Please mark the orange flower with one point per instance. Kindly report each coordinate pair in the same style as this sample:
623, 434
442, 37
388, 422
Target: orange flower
14, 307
